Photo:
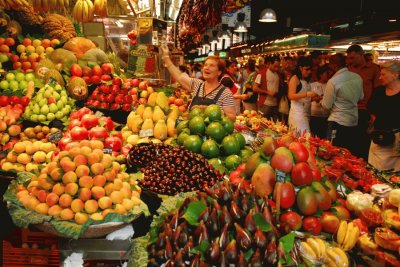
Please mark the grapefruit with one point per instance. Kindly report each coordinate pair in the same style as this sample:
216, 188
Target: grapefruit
230, 145
228, 125
232, 162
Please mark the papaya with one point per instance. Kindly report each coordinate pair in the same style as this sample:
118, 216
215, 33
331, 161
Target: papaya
136, 124
151, 101
160, 130
140, 110
147, 124
171, 129
162, 101
158, 114
147, 113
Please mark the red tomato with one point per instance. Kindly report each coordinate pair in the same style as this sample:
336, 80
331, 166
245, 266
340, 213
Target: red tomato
14, 100
98, 133
89, 121
113, 142
79, 133
312, 225
3, 100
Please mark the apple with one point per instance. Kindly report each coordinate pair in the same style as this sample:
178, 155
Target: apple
134, 82
330, 222
95, 79
86, 71
142, 101
76, 70
126, 107
114, 89
110, 98
104, 105
117, 81
105, 77
96, 70
301, 174
143, 85
87, 79
119, 99
312, 225
282, 159
144, 94
29, 77
114, 106
290, 221
107, 68
268, 146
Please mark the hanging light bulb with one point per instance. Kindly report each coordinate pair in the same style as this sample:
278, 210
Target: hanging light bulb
240, 26
267, 15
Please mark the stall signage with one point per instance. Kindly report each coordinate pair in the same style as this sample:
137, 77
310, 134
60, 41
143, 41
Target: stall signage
55, 137
246, 51
107, 150
141, 53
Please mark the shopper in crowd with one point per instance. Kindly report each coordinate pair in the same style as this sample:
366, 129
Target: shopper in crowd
183, 69
316, 57
196, 73
229, 80
384, 107
342, 93
249, 98
369, 73
288, 66
266, 85
319, 115
246, 72
207, 92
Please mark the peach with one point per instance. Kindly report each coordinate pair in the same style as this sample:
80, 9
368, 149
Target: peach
63, 154
31, 150
32, 184
110, 175
81, 218
14, 130
82, 170
54, 211
23, 158
117, 197
117, 184
47, 147
126, 185
119, 208
19, 147
77, 205
42, 208
127, 193
80, 160
42, 195
25, 200
116, 167
91, 206
30, 167
58, 189
106, 161
109, 188
51, 166
136, 201
85, 194
39, 157
98, 192
67, 214
86, 181
69, 177
12, 157
52, 199
96, 144
75, 151
97, 168
99, 152
84, 143
105, 202
93, 158
22, 193
67, 164
107, 211
45, 184
56, 173
65, 200
86, 151
97, 216
128, 204
99, 180
33, 202
71, 188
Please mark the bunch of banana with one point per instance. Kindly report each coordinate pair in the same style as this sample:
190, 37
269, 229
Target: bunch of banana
13, 4
83, 11
314, 249
347, 235
100, 8
48, 5
336, 257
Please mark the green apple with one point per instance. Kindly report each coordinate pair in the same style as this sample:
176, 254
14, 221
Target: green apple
50, 116
68, 107
48, 93
42, 102
65, 111
28, 113
64, 99
36, 109
44, 109
23, 84
29, 77
34, 117
58, 87
10, 76
20, 76
53, 108
3, 57
60, 105
42, 118
64, 93
56, 96
14, 85
4, 85
59, 115
39, 97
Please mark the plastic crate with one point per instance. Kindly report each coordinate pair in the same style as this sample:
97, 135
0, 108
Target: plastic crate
41, 238
21, 257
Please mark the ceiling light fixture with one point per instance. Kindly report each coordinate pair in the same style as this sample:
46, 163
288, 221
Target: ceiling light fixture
267, 15
240, 26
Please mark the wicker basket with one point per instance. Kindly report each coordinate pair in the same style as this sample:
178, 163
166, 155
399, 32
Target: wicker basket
93, 231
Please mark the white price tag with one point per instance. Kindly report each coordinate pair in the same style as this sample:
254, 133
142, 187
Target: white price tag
146, 133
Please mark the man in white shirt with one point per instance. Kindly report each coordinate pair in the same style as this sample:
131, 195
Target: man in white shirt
342, 93
268, 88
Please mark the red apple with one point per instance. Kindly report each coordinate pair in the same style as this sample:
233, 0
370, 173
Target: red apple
110, 99
86, 71
301, 174
330, 223
133, 91
107, 68
127, 99
119, 99
126, 107
178, 102
134, 82
105, 77
114, 89
96, 70
300, 151
142, 101
89, 121
74, 123
87, 79
290, 221
79, 133
143, 85
104, 105
282, 160
117, 81
95, 79
312, 225
114, 106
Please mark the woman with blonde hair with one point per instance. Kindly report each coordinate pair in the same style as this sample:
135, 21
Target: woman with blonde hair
384, 107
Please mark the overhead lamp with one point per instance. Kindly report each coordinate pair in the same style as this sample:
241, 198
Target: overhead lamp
267, 15
240, 26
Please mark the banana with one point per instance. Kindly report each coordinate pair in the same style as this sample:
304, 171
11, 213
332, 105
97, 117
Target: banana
77, 12
315, 247
341, 233
329, 262
90, 10
85, 17
344, 261
308, 252
322, 247
351, 237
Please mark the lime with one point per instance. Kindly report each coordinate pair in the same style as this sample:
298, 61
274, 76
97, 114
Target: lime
193, 143
230, 145
245, 154
210, 149
213, 113
195, 112
181, 137
182, 125
239, 137
216, 131
232, 162
197, 126
228, 125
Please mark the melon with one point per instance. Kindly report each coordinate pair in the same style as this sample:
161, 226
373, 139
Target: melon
77, 88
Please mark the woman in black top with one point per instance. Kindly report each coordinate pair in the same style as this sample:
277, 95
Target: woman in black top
248, 97
384, 107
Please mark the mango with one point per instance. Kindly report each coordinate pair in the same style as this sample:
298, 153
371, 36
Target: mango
263, 179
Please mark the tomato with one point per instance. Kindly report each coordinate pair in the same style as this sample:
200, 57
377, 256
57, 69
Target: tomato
98, 133
89, 121
14, 100
312, 225
3, 100
288, 195
107, 68
24, 101
79, 133
63, 142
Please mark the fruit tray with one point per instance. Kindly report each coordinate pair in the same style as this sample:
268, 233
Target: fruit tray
53, 124
93, 231
118, 116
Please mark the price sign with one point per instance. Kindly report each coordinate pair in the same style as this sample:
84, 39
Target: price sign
249, 137
107, 150
4, 153
280, 176
55, 137
146, 133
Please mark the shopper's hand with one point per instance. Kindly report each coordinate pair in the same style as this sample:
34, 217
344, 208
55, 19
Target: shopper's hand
164, 50
312, 94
